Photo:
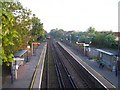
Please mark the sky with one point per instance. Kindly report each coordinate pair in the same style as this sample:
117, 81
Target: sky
76, 15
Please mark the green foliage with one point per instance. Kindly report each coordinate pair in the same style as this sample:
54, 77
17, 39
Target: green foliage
0, 52
8, 32
91, 30
104, 40
37, 30
98, 39
110, 40
57, 33
16, 29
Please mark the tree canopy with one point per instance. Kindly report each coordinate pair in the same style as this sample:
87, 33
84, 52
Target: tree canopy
18, 28
97, 39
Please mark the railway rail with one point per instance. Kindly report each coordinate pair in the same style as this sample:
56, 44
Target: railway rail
94, 79
68, 72
64, 77
49, 79
86, 83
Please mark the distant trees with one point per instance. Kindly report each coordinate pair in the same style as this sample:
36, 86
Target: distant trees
18, 28
101, 39
110, 40
57, 33
98, 39
91, 30
104, 39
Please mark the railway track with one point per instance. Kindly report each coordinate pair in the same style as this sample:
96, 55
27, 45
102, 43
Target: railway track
49, 79
86, 83
91, 78
64, 76
63, 71
55, 72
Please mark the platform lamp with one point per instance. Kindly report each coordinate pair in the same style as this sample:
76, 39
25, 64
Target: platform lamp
89, 45
70, 38
28, 49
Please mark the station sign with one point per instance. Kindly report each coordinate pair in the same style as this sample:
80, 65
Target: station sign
36, 44
18, 59
82, 44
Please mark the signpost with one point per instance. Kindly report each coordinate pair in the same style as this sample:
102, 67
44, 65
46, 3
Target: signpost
34, 44
83, 45
18, 59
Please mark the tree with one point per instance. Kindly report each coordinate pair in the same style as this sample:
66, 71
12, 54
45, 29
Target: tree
91, 30
104, 39
16, 29
57, 33
37, 30
110, 40
8, 32
0, 43
22, 25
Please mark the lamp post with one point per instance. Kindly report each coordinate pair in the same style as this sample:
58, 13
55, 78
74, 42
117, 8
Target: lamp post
89, 46
77, 38
70, 38
65, 37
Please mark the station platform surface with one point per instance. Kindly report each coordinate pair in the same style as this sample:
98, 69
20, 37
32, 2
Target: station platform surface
107, 74
26, 71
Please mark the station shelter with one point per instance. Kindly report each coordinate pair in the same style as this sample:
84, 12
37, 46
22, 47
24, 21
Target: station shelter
22, 54
20, 58
108, 59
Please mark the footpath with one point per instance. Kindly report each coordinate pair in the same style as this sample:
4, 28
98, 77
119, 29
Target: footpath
25, 72
107, 74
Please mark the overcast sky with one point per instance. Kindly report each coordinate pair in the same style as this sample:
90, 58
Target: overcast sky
75, 14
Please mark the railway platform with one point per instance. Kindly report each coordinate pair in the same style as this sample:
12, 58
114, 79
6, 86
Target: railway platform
27, 71
105, 73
